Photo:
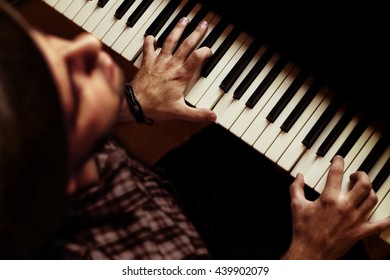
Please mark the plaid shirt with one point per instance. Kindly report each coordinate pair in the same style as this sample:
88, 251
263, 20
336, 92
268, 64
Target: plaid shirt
130, 214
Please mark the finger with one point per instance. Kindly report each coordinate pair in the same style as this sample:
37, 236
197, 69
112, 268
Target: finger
335, 176
189, 43
375, 227
297, 188
197, 114
196, 59
360, 187
367, 204
172, 39
149, 48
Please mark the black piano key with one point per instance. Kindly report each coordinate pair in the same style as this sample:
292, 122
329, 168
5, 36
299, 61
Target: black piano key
162, 18
102, 3
321, 123
182, 13
200, 15
287, 96
265, 84
375, 153
214, 34
336, 131
138, 12
382, 176
123, 8
354, 136
220, 52
301, 106
239, 67
253, 73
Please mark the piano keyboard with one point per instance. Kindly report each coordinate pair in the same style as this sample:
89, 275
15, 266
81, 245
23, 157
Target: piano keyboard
258, 95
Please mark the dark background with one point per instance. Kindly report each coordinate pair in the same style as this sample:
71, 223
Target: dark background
343, 43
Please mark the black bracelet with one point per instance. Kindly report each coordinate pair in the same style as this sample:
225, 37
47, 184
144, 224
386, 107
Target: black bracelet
135, 106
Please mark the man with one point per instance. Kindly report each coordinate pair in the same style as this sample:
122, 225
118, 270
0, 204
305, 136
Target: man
68, 190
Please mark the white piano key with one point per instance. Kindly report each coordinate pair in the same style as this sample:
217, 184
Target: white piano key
62, 5
190, 15
209, 17
379, 164
252, 122
122, 44
295, 149
119, 28
107, 22
321, 164
309, 157
212, 24
194, 93
353, 153
214, 92
213, 21
97, 16
52, 2
238, 106
172, 17
138, 61
72, 10
284, 139
134, 46
134, 52
382, 210
273, 129
348, 159
385, 235
382, 192
226, 100
85, 12
363, 153
194, 11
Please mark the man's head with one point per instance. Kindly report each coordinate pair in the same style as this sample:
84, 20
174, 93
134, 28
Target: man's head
58, 99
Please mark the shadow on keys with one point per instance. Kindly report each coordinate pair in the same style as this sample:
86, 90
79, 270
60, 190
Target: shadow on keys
223, 185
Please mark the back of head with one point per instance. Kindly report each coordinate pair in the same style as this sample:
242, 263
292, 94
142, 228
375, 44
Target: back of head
33, 146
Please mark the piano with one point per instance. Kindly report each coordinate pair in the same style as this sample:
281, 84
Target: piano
298, 84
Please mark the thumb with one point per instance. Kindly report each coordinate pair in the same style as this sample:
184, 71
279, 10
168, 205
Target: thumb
297, 188
199, 115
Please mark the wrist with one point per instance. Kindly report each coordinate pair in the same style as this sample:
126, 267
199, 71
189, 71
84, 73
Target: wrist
303, 252
134, 106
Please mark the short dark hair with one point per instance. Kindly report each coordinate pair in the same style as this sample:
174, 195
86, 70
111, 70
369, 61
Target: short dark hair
33, 141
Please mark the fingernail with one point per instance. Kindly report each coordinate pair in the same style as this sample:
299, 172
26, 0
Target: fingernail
203, 24
337, 156
212, 118
184, 20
